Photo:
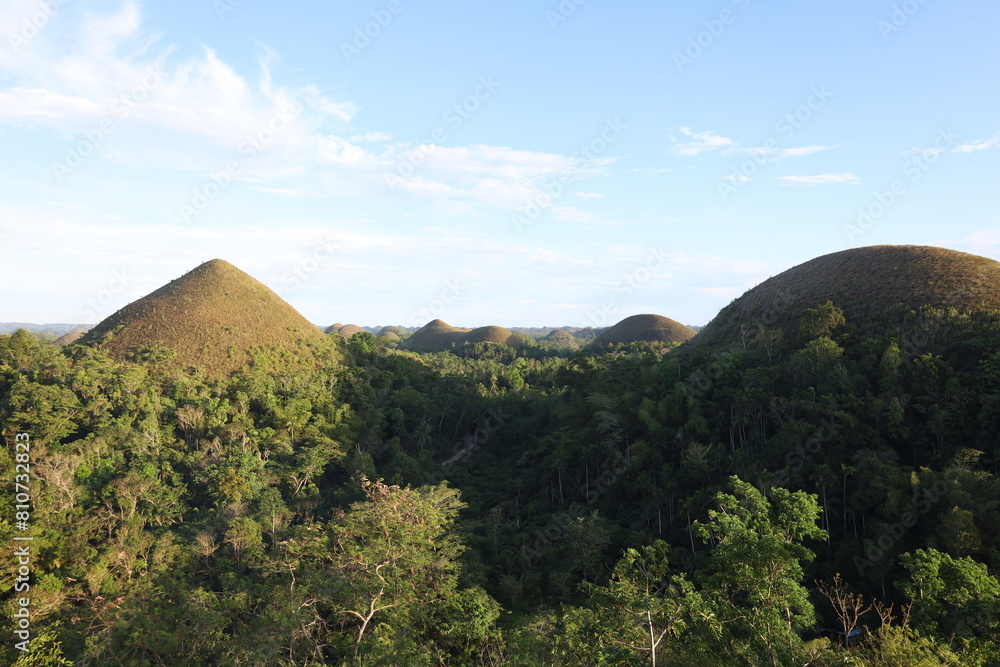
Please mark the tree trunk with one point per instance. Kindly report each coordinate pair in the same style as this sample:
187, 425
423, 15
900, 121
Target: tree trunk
652, 643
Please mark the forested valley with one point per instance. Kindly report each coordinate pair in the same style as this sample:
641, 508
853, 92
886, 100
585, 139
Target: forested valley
822, 494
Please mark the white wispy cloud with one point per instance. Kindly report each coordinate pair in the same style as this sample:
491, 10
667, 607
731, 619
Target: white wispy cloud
372, 137
572, 214
196, 113
699, 142
820, 179
977, 145
650, 171
692, 143
804, 150
775, 153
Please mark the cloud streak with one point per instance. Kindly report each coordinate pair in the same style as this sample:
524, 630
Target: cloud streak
700, 142
820, 179
977, 145
199, 115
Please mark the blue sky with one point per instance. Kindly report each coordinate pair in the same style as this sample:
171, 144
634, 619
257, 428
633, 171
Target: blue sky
517, 163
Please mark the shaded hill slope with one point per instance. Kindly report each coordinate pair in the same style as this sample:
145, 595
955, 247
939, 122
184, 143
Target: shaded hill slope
69, 338
875, 284
638, 328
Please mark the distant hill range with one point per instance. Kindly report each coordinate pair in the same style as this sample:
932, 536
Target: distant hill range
55, 329
215, 317
391, 332
538, 333
874, 286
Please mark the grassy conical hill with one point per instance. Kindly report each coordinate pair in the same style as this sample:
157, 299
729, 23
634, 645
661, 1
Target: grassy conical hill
68, 338
435, 336
490, 334
562, 339
559, 336
216, 317
639, 328
349, 330
873, 286
397, 331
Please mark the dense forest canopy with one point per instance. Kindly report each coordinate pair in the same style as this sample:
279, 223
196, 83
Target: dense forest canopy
817, 488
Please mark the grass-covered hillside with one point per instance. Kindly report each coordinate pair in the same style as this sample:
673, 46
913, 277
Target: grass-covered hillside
215, 317
437, 335
346, 331
645, 328
490, 334
875, 284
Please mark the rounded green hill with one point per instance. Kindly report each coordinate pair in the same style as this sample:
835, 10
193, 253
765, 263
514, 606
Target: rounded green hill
349, 330
560, 336
490, 334
435, 336
641, 328
875, 284
397, 331
215, 317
